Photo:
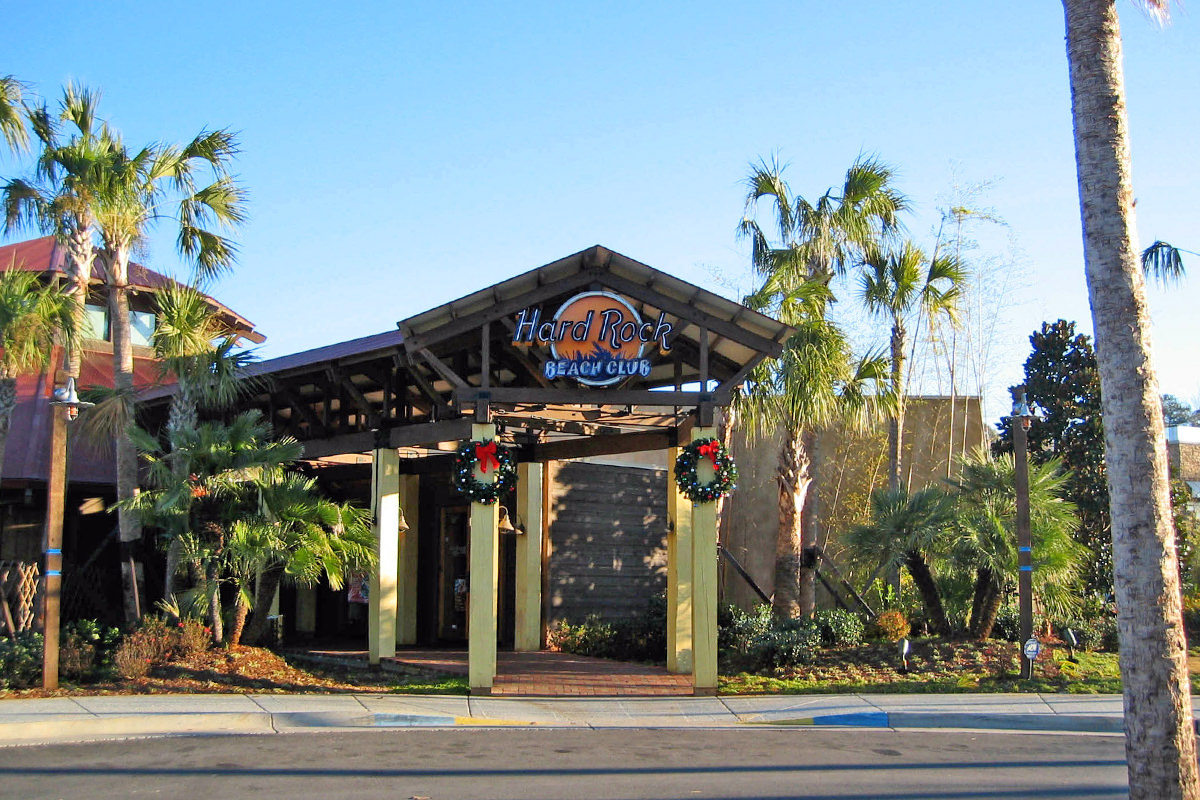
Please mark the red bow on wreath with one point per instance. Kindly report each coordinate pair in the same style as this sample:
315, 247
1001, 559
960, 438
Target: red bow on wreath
710, 450
486, 454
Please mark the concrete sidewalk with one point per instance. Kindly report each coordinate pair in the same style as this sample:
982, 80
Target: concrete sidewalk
69, 719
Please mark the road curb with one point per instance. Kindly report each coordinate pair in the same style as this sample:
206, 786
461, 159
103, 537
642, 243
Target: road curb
116, 727
1060, 723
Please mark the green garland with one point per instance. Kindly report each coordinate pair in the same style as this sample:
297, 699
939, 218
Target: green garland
494, 456
725, 471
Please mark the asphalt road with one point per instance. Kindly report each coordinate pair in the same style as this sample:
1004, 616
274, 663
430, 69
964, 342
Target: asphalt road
525, 764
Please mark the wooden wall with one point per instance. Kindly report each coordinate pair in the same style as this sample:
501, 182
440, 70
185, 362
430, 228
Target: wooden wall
608, 548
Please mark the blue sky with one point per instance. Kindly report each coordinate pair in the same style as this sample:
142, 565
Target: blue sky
402, 154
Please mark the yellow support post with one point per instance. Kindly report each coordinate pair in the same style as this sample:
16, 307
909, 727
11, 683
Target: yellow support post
528, 634
485, 571
385, 503
704, 586
406, 606
679, 574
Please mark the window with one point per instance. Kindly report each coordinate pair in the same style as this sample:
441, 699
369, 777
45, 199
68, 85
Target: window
95, 322
141, 324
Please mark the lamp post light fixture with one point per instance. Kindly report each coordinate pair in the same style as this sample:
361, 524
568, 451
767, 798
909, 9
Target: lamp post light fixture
64, 407
1021, 418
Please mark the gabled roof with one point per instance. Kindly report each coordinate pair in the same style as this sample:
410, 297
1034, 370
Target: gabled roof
45, 255
425, 383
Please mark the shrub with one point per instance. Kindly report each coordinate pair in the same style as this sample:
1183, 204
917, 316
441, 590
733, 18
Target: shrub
154, 641
21, 661
738, 629
641, 638
191, 636
85, 646
839, 627
890, 626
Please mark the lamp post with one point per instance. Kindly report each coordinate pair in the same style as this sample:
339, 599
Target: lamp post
64, 407
1021, 418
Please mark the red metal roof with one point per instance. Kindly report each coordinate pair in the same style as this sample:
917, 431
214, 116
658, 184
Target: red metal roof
27, 449
46, 255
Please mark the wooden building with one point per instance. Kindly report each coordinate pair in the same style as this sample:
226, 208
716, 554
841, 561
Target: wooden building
592, 355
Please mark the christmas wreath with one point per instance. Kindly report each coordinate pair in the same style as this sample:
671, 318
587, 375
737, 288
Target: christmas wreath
724, 470
488, 454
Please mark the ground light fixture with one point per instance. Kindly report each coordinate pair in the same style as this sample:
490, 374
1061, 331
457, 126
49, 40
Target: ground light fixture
66, 398
905, 646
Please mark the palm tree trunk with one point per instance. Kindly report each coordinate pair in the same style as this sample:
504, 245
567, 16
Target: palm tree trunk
127, 466
8, 402
795, 588
212, 585
985, 604
240, 611
896, 422
1159, 740
264, 593
931, 598
81, 255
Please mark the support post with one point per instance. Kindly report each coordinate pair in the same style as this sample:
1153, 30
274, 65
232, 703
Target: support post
56, 490
406, 605
704, 583
528, 635
385, 503
1024, 537
485, 570
679, 574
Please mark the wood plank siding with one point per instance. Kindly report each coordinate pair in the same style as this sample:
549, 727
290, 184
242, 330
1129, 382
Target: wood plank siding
608, 540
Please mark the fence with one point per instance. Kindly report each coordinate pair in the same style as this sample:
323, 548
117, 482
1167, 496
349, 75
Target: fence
18, 595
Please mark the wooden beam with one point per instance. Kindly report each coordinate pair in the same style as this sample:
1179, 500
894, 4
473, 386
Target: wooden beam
499, 310
603, 445
599, 397
557, 425
440, 367
302, 409
694, 315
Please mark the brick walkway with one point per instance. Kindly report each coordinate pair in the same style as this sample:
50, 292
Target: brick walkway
546, 673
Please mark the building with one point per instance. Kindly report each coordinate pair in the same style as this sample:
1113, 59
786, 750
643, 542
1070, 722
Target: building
92, 588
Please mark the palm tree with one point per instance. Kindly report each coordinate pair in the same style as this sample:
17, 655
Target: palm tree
31, 316
69, 179
1164, 262
142, 188
817, 380
1160, 741
908, 530
12, 113
986, 541
192, 344
895, 283
205, 479
821, 239
297, 535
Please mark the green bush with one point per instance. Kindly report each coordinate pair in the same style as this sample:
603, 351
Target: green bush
85, 647
756, 641
641, 638
21, 661
1095, 627
839, 627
